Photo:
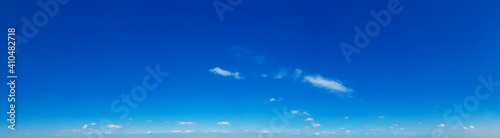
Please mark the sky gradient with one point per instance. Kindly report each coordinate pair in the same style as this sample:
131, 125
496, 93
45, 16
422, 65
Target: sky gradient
266, 69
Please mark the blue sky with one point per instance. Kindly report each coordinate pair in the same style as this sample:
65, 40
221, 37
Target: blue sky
268, 68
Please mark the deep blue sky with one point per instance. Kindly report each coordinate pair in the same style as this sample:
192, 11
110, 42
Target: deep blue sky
91, 52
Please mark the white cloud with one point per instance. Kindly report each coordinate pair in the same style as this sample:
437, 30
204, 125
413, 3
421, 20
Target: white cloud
93, 124
176, 131
441, 125
315, 124
305, 113
309, 119
342, 128
189, 131
381, 117
114, 126
471, 127
298, 73
186, 123
85, 126
129, 118
225, 73
295, 112
272, 99
330, 85
223, 123
346, 117
263, 75
465, 128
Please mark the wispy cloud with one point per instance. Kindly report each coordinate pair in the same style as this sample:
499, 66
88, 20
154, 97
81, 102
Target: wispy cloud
330, 85
114, 126
281, 74
297, 74
315, 124
223, 123
85, 126
186, 123
272, 99
247, 54
309, 119
225, 73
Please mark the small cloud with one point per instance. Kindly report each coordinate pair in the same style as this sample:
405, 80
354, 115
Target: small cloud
342, 128
381, 117
441, 125
111, 126
189, 131
471, 127
294, 112
223, 123
346, 117
282, 73
129, 118
93, 124
307, 127
330, 85
305, 113
315, 124
263, 75
309, 119
85, 126
186, 123
149, 121
465, 128
402, 129
272, 99
225, 73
